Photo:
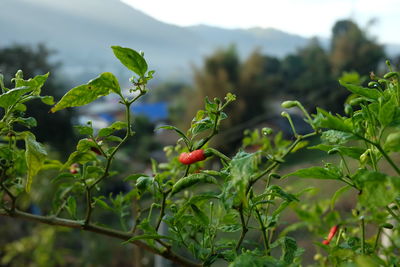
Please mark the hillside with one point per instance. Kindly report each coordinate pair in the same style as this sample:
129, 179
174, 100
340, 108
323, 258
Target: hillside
82, 31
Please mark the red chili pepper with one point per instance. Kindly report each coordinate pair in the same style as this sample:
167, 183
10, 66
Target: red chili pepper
332, 233
192, 157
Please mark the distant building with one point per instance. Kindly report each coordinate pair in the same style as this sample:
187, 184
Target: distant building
103, 113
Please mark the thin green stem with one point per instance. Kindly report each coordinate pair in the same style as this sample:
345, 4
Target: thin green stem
306, 114
219, 154
162, 210
378, 235
394, 215
345, 163
384, 154
275, 164
10, 194
108, 163
89, 206
213, 132
362, 235
244, 228
287, 116
263, 231
347, 182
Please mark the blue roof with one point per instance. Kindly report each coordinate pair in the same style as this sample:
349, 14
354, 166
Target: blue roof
154, 111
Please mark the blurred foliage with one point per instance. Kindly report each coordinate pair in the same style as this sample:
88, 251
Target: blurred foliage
55, 129
310, 75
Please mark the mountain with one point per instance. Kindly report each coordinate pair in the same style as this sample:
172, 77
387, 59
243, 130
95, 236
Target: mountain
82, 32
270, 41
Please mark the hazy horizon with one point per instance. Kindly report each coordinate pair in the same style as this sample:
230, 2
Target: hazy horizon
311, 17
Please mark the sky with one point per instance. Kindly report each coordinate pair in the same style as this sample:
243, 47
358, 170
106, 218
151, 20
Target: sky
304, 17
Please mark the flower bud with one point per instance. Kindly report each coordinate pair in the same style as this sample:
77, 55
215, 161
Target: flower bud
348, 109
267, 131
289, 104
356, 101
386, 225
284, 114
333, 151
275, 176
373, 84
390, 75
365, 157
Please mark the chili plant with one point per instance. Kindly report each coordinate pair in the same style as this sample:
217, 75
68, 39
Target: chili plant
231, 212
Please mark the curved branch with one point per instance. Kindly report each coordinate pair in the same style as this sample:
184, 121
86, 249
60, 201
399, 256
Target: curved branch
167, 253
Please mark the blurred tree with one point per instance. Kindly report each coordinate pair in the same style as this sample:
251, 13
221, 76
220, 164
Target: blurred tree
353, 50
219, 76
260, 78
55, 129
307, 75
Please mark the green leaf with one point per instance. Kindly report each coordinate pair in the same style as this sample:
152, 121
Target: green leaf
79, 157
11, 97
249, 259
27, 122
84, 130
352, 152
94, 171
71, 207
20, 107
102, 203
131, 59
337, 137
230, 228
377, 189
35, 83
87, 93
325, 119
48, 100
35, 155
143, 182
337, 194
289, 249
392, 142
179, 132
300, 145
2, 87
362, 91
200, 215
113, 138
85, 145
134, 177
243, 167
387, 111
316, 173
52, 164
191, 180
201, 126
116, 126
278, 191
